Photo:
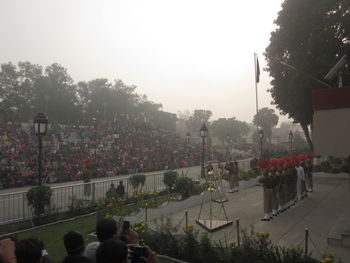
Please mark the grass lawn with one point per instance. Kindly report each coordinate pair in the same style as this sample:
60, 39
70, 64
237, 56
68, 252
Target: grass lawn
53, 235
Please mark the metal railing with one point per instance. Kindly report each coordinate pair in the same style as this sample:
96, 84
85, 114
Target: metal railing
14, 206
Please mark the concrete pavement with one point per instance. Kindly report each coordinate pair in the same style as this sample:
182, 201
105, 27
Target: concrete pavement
318, 212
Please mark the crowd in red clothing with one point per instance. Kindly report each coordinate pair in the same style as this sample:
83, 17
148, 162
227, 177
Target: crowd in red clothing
141, 147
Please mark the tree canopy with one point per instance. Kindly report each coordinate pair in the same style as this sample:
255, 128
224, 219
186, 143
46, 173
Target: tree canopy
235, 129
266, 119
26, 89
311, 36
196, 120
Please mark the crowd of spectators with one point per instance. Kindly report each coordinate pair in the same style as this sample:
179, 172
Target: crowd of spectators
123, 146
114, 245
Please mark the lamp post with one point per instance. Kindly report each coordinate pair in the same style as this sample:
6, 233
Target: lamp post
188, 137
261, 137
95, 135
116, 138
228, 146
40, 129
204, 134
290, 136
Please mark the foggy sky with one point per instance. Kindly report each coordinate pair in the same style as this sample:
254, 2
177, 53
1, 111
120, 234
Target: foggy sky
185, 54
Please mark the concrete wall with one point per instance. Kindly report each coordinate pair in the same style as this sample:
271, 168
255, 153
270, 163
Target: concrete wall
331, 132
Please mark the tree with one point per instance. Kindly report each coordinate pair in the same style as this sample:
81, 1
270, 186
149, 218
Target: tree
311, 36
170, 178
197, 119
231, 127
266, 119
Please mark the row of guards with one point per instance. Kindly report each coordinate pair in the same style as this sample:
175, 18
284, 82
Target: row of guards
285, 182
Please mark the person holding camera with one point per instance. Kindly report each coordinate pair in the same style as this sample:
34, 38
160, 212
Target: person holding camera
106, 230
116, 251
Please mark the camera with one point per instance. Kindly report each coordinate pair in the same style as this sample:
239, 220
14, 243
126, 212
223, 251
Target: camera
139, 251
126, 226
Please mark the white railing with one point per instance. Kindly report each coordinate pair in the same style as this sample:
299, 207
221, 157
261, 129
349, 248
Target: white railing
14, 206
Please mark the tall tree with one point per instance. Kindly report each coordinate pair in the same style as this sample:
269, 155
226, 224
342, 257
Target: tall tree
197, 119
266, 119
231, 127
311, 36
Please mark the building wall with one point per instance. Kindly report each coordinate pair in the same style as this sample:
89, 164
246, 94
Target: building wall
331, 121
331, 132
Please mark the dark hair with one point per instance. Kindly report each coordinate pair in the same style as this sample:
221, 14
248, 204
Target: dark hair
112, 251
74, 243
29, 250
106, 229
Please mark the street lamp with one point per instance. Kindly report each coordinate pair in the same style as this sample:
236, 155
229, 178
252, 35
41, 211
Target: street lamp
204, 134
95, 135
188, 136
40, 129
228, 145
261, 137
290, 136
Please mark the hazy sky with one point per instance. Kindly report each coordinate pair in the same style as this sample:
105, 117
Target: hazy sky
185, 54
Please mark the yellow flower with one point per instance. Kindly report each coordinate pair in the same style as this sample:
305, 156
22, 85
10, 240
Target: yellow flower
109, 204
326, 260
107, 216
263, 234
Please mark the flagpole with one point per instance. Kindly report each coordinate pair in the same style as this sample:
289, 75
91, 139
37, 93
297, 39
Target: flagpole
257, 109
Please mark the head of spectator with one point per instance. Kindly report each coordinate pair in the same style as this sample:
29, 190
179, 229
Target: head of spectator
29, 250
106, 229
74, 243
112, 251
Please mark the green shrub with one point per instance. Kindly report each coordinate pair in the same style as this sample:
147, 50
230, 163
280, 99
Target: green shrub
39, 198
254, 172
255, 247
170, 178
184, 186
345, 168
136, 181
197, 189
244, 175
335, 170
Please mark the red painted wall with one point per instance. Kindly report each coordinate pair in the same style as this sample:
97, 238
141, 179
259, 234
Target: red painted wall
332, 98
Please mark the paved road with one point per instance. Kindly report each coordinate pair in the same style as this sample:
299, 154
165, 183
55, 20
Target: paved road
318, 212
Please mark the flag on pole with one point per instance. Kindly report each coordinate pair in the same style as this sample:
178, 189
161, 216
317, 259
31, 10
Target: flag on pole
257, 72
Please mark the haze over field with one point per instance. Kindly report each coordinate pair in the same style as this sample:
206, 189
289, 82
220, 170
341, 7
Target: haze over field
184, 54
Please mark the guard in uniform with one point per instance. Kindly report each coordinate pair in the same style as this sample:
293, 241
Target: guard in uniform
309, 168
282, 187
232, 176
266, 180
274, 163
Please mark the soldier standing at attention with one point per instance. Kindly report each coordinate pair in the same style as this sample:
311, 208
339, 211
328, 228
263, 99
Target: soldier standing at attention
236, 175
266, 181
276, 184
308, 172
289, 183
302, 159
282, 188
295, 179
230, 167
